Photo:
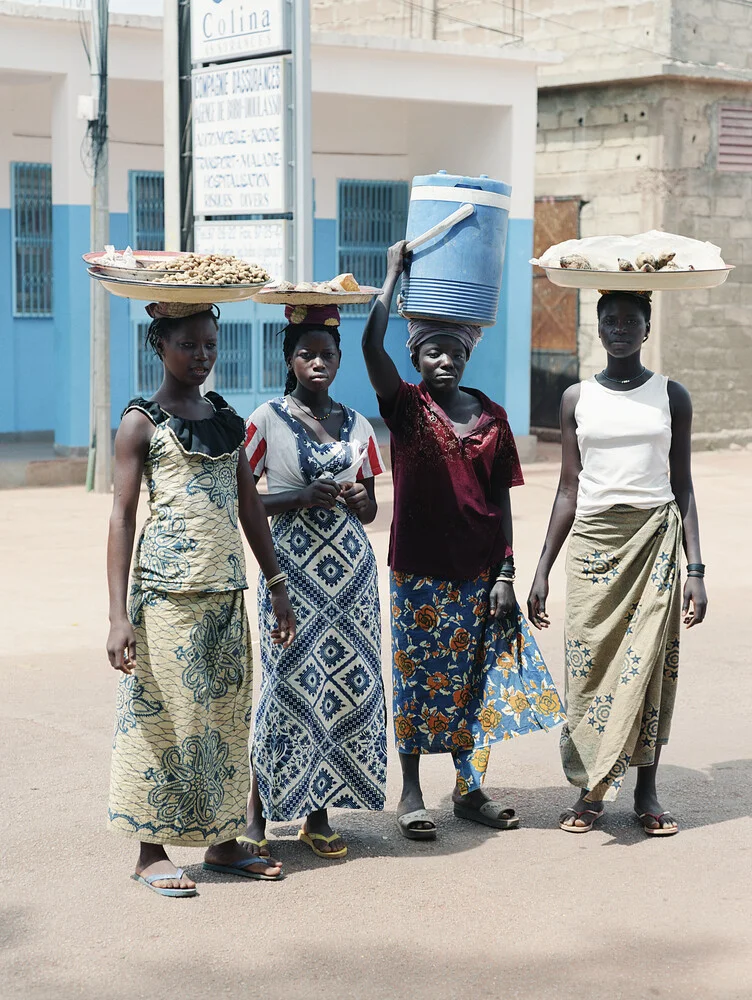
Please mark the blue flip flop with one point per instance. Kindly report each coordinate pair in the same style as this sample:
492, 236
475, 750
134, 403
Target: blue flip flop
241, 866
149, 881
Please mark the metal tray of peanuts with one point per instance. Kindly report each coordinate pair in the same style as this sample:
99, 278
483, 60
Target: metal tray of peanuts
185, 277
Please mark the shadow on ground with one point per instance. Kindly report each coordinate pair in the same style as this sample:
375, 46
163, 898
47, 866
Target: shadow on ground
378, 972
695, 798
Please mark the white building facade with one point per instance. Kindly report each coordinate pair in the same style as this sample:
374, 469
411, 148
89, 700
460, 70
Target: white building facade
383, 110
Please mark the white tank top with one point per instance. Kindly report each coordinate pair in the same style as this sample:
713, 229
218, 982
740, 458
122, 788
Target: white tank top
624, 440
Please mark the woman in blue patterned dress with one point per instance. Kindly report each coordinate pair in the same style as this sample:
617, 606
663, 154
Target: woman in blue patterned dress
180, 771
319, 739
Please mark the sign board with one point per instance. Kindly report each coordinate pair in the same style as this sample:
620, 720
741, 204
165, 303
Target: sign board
240, 139
261, 242
236, 29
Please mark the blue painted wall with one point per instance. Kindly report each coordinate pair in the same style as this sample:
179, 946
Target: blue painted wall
49, 359
27, 402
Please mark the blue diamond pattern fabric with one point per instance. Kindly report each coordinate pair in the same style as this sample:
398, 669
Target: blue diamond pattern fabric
320, 733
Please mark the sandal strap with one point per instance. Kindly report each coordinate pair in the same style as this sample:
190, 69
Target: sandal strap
659, 819
150, 879
495, 810
416, 816
320, 836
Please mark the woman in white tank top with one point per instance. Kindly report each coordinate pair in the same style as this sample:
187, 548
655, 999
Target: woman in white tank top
626, 493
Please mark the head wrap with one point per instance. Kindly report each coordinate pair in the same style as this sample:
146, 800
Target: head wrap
176, 310
302, 315
421, 330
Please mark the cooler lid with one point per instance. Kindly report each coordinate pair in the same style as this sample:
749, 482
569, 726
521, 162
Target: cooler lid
480, 183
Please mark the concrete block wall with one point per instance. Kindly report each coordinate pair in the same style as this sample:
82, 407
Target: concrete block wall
604, 35
644, 157
712, 31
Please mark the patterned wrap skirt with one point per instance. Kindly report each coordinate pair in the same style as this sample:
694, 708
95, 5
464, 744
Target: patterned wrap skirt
622, 642
460, 679
320, 734
180, 773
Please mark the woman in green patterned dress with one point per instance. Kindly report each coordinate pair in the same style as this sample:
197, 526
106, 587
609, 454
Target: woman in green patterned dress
180, 773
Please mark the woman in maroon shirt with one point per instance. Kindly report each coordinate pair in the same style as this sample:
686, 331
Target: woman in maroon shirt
466, 670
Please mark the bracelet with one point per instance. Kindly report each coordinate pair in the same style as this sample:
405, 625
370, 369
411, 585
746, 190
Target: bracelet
696, 576
696, 568
279, 578
505, 579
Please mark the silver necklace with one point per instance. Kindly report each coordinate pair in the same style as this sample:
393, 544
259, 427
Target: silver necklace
624, 381
309, 411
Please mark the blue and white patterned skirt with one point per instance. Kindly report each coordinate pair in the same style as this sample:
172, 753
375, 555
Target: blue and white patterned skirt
320, 733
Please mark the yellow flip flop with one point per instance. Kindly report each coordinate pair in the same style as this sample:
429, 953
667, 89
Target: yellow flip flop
258, 844
308, 838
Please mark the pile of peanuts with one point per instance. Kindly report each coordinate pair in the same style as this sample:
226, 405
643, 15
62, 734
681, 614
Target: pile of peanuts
210, 269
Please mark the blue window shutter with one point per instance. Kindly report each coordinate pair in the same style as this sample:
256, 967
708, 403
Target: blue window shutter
31, 222
371, 216
146, 209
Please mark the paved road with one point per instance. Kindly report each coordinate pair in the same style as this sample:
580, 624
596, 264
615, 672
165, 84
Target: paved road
528, 914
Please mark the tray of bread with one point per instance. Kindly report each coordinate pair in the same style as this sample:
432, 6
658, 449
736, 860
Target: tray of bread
185, 277
652, 261
340, 291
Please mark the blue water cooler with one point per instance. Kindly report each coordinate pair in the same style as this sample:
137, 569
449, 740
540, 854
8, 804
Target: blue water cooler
455, 276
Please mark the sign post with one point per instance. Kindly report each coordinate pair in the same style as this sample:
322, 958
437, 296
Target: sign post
251, 86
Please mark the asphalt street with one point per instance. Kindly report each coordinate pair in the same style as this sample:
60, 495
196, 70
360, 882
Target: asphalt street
533, 913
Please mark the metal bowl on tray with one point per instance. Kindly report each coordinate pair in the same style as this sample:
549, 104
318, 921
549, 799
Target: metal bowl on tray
144, 258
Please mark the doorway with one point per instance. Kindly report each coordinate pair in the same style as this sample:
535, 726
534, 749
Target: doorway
554, 363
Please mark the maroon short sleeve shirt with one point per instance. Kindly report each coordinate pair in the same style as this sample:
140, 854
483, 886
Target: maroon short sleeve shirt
447, 520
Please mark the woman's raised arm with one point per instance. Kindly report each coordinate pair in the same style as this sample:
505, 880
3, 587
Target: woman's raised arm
382, 371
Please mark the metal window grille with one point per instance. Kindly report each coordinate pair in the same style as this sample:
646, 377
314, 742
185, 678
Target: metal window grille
274, 369
31, 197
148, 366
735, 138
146, 209
371, 216
234, 372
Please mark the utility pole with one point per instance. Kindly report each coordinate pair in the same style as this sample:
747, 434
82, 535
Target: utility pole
173, 202
101, 424
303, 214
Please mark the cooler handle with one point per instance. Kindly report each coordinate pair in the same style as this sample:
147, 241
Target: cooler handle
463, 212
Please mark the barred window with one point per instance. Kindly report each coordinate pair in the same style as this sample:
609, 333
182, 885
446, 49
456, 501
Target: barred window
274, 369
146, 209
234, 368
31, 198
372, 215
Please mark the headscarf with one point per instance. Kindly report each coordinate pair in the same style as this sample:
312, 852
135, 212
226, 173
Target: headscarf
421, 330
302, 315
176, 310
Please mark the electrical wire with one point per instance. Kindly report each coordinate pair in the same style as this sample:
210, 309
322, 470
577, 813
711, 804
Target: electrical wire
94, 144
415, 5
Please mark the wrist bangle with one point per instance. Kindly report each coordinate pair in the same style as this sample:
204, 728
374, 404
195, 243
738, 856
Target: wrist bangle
505, 579
279, 578
696, 576
696, 568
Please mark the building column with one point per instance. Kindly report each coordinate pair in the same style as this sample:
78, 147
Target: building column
71, 198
